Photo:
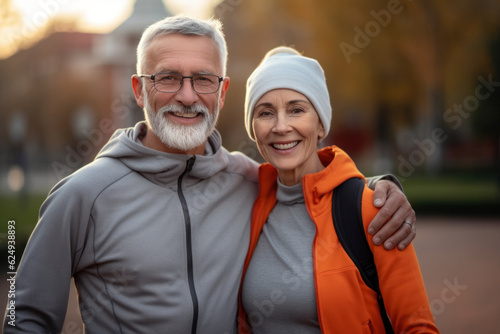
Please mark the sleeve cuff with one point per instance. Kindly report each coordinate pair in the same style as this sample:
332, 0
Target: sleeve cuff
371, 181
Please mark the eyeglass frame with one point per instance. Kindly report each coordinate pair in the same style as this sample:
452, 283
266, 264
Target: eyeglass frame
152, 77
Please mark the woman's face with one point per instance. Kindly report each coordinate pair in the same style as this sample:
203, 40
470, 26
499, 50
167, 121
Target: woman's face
287, 128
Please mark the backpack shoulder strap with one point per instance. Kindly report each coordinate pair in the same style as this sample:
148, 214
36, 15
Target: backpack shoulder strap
348, 223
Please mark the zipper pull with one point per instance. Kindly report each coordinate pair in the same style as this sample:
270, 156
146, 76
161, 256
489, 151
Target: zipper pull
190, 163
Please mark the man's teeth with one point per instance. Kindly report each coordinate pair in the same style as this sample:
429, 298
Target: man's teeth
185, 114
285, 146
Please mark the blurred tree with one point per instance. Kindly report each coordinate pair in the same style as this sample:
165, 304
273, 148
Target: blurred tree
396, 63
432, 34
486, 120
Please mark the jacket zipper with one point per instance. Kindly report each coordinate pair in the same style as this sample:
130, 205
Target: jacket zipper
318, 308
189, 247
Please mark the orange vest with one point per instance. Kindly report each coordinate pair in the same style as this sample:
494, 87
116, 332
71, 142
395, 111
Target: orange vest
344, 303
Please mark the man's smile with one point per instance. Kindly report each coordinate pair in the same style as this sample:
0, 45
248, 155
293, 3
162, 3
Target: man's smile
185, 114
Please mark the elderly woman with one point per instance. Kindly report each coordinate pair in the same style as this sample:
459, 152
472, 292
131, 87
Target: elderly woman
298, 278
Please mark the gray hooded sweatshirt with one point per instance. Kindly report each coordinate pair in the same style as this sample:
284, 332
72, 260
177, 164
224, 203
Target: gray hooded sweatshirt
155, 242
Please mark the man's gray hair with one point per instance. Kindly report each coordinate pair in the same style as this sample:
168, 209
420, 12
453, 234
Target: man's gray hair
184, 25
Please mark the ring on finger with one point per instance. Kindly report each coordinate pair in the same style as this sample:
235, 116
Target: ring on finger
409, 223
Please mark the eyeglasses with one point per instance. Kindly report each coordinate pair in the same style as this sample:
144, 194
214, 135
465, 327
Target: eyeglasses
172, 82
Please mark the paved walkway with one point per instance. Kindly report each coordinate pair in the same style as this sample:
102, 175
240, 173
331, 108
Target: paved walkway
460, 262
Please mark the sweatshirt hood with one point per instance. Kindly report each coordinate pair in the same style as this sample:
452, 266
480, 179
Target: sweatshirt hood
161, 167
339, 168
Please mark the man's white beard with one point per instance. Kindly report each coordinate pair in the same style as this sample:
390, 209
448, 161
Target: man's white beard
181, 137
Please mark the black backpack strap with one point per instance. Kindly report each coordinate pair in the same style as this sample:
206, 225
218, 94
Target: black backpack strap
348, 223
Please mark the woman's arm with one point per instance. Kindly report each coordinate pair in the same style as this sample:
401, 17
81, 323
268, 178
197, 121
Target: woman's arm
401, 282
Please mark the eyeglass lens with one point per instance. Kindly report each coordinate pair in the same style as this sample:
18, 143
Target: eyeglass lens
172, 82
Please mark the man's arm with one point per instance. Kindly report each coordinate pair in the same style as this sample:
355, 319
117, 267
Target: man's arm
43, 279
394, 224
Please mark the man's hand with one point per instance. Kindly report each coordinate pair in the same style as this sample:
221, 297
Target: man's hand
400, 229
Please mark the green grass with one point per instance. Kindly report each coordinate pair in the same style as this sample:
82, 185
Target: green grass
454, 195
23, 210
450, 189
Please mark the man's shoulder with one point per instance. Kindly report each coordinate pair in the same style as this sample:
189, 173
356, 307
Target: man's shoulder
94, 177
78, 191
241, 164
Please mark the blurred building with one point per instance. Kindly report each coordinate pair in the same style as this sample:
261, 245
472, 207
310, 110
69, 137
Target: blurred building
116, 52
63, 97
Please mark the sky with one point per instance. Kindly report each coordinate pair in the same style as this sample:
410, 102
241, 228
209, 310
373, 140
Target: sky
99, 16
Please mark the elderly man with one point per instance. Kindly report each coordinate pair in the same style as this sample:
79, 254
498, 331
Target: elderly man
156, 229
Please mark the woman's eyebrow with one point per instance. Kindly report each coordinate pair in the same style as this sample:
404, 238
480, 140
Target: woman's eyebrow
297, 101
269, 104
264, 104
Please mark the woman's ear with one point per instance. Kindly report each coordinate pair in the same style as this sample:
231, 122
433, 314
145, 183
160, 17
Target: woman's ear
321, 131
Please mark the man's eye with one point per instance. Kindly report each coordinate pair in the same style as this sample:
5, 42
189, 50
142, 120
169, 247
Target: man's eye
167, 78
204, 79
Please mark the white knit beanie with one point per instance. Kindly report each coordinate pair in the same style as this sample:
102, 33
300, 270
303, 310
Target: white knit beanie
285, 68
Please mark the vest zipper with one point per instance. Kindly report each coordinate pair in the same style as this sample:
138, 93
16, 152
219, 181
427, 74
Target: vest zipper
189, 246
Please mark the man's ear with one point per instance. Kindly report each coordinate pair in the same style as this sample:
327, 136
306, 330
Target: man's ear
138, 91
223, 88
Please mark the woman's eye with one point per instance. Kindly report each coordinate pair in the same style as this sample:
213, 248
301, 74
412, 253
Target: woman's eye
264, 113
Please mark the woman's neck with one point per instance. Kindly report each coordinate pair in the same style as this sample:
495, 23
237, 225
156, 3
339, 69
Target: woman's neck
293, 176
